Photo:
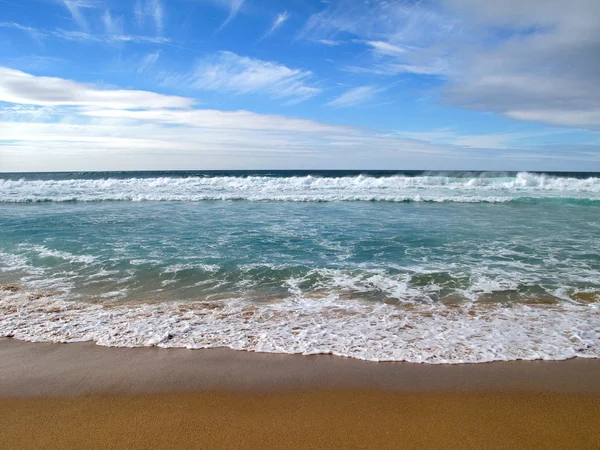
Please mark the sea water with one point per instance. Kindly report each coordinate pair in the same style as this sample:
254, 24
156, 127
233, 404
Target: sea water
384, 266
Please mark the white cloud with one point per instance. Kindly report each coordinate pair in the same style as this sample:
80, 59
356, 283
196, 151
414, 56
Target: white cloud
535, 60
547, 70
278, 22
354, 96
22, 88
58, 124
53, 122
211, 139
242, 140
242, 75
223, 141
28, 92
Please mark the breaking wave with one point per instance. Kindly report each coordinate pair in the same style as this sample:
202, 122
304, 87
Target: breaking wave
310, 188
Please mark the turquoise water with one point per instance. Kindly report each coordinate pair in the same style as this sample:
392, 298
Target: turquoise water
407, 266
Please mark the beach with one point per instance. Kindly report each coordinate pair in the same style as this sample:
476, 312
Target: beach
85, 396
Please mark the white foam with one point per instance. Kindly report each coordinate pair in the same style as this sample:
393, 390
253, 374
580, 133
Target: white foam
174, 268
302, 189
429, 333
46, 252
11, 263
139, 262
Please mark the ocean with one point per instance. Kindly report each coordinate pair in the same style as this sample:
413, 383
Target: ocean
429, 267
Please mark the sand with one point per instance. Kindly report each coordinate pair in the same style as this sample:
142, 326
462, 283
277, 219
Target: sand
85, 396
339, 419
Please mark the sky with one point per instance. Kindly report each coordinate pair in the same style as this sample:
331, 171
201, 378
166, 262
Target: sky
299, 84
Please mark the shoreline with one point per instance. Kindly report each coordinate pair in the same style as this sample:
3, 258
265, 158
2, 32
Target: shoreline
80, 395
33, 369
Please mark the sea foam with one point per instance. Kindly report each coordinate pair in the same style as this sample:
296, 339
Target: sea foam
397, 188
428, 333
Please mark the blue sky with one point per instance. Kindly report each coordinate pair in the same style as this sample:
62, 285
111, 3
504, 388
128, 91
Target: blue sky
249, 84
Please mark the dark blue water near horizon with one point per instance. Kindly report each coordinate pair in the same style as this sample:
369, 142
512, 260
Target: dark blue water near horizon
279, 173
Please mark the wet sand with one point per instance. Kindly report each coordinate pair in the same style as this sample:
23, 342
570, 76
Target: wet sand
85, 396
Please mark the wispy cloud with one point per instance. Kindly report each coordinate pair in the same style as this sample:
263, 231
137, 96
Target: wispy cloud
37, 62
227, 71
148, 61
386, 48
234, 8
157, 15
401, 36
18, 26
501, 140
113, 26
213, 118
139, 12
329, 42
391, 59
33, 32
278, 22
396, 21
83, 36
75, 6
395, 68
354, 96
152, 9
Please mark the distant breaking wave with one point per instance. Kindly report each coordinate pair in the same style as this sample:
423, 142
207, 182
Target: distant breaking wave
308, 188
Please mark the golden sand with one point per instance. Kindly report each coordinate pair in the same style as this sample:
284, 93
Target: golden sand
322, 420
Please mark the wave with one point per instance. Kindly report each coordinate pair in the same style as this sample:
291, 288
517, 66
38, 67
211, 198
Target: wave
309, 188
370, 331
